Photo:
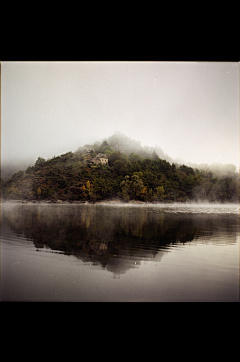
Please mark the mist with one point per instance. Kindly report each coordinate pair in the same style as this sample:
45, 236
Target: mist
188, 111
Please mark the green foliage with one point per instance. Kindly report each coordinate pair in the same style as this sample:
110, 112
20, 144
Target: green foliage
132, 189
120, 167
160, 192
104, 148
125, 185
40, 162
130, 176
135, 157
114, 157
154, 156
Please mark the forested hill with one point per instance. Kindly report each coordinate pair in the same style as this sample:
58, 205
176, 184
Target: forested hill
132, 173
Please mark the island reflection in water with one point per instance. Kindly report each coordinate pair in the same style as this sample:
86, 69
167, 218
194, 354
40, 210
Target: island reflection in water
119, 237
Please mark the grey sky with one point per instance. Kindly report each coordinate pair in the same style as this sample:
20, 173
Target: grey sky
191, 110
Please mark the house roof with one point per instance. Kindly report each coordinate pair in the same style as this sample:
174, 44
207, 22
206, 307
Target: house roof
102, 155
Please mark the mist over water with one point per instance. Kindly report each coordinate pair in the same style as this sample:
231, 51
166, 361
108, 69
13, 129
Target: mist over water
120, 252
186, 113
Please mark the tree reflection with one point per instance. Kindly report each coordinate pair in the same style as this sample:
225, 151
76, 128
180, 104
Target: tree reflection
117, 238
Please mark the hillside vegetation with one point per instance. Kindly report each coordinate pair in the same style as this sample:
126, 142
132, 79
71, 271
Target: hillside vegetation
132, 173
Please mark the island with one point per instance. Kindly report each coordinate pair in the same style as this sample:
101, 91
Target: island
119, 170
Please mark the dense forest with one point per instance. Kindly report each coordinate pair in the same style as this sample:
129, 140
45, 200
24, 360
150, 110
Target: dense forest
133, 172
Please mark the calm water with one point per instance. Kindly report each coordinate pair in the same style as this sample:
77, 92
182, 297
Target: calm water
120, 252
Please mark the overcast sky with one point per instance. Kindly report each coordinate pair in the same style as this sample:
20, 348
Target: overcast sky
190, 110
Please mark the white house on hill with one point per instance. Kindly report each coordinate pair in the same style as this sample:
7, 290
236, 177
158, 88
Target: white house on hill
100, 158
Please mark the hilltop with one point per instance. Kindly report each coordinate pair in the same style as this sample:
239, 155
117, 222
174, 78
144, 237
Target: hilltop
118, 168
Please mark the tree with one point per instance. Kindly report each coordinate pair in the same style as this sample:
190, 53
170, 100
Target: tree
120, 166
136, 186
104, 147
109, 152
125, 185
13, 192
132, 189
102, 187
154, 156
114, 157
135, 157
39, 191
88, 186
187, 170
160, 192
40, 162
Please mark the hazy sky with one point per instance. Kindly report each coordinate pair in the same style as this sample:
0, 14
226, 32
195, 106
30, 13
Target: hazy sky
191, 110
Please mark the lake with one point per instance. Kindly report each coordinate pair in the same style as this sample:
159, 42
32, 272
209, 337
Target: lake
119, 252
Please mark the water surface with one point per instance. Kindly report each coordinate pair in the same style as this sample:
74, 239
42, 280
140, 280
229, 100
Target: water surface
102, 252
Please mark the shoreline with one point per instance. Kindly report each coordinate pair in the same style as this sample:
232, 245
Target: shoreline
115, 201
66, 202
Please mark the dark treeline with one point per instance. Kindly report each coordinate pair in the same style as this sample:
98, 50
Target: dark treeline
129, 175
